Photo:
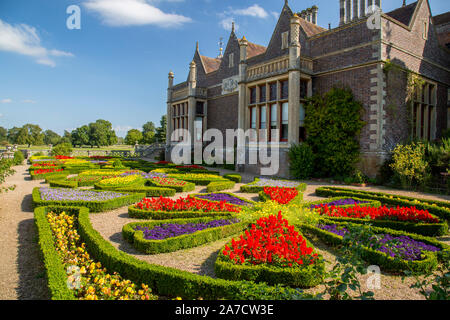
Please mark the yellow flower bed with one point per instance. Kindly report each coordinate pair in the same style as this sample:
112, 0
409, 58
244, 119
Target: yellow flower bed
74, 162
102, 173
86, 277
120, 181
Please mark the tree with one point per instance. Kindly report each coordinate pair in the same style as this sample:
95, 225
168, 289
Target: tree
148, 133
63, 149
67, 138
3, 134
30, 134
80, 136
101, 133
13, 133
51, 137
133, 136
161, 131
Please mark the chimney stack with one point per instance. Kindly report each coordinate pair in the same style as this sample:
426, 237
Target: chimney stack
315, 11
354, 9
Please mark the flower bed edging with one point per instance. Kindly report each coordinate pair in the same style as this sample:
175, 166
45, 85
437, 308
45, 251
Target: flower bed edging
136, 238
220, 186
382, 259
93, 206
227, 193
169, 215
370, 203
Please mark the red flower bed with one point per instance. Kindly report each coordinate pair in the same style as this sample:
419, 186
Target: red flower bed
271, 241
194, 166
281, 195
63, 157
163, 162
45, 171
168, 181
184, 204
44, 164
407, 214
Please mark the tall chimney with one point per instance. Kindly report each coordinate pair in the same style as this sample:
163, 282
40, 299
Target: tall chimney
362, 8
348, 9
315, 11
308, 15
341, 12
355, 9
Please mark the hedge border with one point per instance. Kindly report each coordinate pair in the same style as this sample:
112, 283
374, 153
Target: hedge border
304, 277
382, 259
197, 181
136, 238
46, 175
228, 193
442, 212
251, 188
54, 268
150, 192
63, 184
170, 215
93, 206
233, 177
370, 203
220, 186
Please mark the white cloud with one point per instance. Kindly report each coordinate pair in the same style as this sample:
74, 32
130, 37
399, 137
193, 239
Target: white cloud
227, 24
6, 101
28, 101
252, 11
123, 130
120, 13
24, 39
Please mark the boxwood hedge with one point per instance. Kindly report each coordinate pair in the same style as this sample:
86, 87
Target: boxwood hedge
137, 213
220, 185
233, 177
382, 259
438, 208
181, 242
93, 206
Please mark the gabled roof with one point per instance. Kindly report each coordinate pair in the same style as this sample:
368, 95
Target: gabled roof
404, 14
310, 28
210, 64
441, 19
254, 50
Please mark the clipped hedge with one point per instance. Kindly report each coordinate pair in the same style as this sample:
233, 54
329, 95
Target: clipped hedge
188, 187
302, 277
149, 191
382, 259
46, 175
60, 176
233, 177
54, 267
181, 242
197, 181
137, 213
63, 184
252, 188
93, 206
220, 185
438, 208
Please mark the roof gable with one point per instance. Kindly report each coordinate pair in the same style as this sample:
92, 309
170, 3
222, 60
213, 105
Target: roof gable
404, 14
283, 25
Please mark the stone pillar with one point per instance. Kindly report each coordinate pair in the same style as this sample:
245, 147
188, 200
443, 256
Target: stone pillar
294, 80
342, 12
309, 15
378, 3
169, 108
192, 101
243, 44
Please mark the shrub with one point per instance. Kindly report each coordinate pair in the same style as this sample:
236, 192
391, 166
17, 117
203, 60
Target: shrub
220, 185
301, 161
410, 165
333, 123
63, 149
233, 177
18, 158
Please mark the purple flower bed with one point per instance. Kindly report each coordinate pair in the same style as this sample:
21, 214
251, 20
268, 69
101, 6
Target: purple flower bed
171, 230
263, 182
337, 203
224, 197
402, 247
150, 175
57, 194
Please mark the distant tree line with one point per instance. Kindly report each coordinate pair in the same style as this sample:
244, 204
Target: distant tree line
96, 134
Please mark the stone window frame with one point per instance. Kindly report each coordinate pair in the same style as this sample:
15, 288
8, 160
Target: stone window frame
424, 111
425, 29
180, 118
231, 60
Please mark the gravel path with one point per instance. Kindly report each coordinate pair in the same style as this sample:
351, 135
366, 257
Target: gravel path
21, 273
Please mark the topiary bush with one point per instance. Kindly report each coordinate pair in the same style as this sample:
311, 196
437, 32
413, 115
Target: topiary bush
333, 123
301, 161
18, 158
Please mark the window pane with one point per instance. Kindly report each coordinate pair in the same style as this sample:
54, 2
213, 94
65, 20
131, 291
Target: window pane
303, 89
273, 91
285, 113
302, 114
285, 89
252, 95
262, 90
263, 117
273, 116
253, 115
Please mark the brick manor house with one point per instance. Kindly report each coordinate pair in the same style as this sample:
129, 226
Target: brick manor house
252, 86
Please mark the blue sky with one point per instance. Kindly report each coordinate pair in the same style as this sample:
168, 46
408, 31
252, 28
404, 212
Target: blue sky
115, 67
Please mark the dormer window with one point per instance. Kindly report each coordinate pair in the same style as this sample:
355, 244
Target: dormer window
285, 40
231, 60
